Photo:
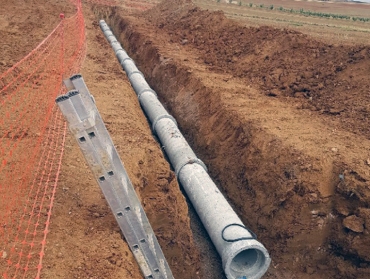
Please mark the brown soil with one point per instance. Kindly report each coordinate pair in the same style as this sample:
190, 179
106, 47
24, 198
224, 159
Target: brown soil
281, 63
97, 247
280, 119
85, 241
258, 105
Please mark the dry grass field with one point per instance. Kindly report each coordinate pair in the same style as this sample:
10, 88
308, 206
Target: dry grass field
331, 30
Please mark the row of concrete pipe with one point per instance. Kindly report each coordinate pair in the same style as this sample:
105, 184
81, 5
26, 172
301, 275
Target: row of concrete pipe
243, 256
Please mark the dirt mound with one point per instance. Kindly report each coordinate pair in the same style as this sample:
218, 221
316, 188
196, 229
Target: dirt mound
330, 79
85, 240
268, 156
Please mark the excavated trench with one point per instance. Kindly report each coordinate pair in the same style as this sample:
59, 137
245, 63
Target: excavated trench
299, 184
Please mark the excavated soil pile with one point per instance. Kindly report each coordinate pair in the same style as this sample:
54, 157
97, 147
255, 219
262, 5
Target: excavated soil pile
85, 240
295, 169
280, 119
330, 79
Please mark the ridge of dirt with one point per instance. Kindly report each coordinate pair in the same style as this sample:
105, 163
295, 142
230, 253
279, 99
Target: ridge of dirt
85, 240
296, 177
93, 236
281, 63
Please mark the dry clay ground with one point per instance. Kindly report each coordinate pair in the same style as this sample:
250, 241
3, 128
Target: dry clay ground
280, 119
85, 241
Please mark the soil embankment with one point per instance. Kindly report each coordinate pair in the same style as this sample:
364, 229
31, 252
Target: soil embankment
84, 239
87, 242
280, 119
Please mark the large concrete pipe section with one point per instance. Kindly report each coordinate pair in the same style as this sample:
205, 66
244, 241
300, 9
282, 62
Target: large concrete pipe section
243, 257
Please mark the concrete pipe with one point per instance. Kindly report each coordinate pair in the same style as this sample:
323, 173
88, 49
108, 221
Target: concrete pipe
243, 256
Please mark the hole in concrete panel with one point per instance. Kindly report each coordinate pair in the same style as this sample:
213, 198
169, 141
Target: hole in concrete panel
119, 214
102, 178
82, 139
91, 134
110, 173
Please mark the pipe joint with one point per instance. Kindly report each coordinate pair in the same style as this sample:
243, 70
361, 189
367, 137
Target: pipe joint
146, 90
116, 46
104, 27
135, 72
123, 60
108, 34
122, 57
190, 161
242, 255
120, 48
155, 121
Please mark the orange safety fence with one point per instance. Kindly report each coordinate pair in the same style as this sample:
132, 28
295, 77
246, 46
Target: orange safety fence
32, 135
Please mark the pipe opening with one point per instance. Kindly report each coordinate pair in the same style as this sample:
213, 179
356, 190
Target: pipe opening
247, 263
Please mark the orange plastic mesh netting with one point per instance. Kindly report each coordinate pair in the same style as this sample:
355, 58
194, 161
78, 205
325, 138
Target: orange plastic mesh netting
32, 134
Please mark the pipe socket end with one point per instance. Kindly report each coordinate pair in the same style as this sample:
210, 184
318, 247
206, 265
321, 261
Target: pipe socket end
190, 161
155, 121
246, 260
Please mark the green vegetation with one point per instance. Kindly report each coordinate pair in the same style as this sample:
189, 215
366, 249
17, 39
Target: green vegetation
307, 12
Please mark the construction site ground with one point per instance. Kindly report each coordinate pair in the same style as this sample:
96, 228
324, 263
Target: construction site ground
281, 118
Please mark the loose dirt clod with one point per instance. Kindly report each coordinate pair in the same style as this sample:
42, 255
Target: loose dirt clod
354, 223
